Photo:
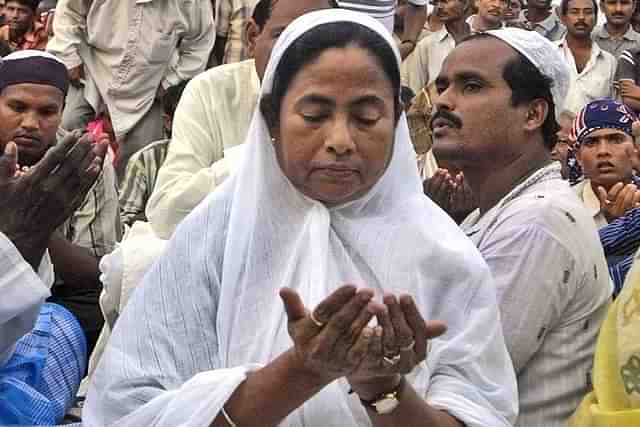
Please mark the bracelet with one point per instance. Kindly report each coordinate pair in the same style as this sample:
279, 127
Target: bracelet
228, 418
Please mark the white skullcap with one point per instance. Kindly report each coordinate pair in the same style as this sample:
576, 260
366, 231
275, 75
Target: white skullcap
544, 55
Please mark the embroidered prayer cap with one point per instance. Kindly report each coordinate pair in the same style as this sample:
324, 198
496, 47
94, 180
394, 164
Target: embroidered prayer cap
33, 66
544, 55
602, 114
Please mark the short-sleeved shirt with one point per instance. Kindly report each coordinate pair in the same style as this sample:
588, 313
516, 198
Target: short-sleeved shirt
628, 65
615, 46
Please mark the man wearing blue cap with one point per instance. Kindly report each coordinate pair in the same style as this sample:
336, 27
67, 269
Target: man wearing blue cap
607, 153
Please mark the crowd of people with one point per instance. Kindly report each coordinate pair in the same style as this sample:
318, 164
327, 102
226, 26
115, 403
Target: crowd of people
320, 213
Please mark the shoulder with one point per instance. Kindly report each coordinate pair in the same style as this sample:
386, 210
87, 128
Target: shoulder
223, 82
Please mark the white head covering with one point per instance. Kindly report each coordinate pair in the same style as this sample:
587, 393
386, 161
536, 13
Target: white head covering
209, 309
544, 55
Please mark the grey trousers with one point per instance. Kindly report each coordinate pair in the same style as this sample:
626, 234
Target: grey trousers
78, 113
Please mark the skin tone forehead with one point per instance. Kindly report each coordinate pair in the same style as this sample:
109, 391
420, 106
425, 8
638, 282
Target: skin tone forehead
579, 4
607, 133
32, 93
367, 82
469, 58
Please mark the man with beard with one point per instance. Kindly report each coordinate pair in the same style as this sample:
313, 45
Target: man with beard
490, 15
617, 34
539, 242
422, 67
540, 18
591, 68
22, 29
606, 151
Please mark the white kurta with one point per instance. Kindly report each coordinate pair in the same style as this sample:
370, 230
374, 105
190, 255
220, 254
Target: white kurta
208, 311
22, 293
214, 114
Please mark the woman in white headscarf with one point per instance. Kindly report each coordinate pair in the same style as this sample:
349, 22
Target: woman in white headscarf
327, 194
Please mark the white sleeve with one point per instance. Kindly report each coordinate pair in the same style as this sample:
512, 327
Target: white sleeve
69, 24
188, 174
22, 293
418, 2
162, 365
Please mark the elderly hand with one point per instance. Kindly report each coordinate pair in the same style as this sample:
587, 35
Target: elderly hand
34, 202
400, 343
619, 200
331, 341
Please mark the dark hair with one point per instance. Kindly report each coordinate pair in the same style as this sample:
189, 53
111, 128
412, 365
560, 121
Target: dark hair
564, 6
527, 83
172, 96
31, 4
308, 47
262, 11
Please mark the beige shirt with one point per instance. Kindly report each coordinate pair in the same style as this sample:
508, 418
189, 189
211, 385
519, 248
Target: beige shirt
423, 65
128, 48
591, 201
595, 81
553, 287
214, 114
231, 20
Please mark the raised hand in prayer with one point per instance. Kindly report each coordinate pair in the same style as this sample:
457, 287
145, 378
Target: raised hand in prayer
332, 341
618, 200
439, 188
35, 202
400, 343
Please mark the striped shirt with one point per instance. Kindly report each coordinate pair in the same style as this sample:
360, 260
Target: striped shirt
620, 240
231, 18
140, 180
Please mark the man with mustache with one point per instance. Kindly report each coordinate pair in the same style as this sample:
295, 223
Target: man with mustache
607, 152
617, 34
22, 29
490, 15
540, 18
496, 121
42, 347
30, 117
591, 68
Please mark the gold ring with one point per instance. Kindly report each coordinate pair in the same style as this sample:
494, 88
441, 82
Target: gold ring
409, 347
393, 360
318, 323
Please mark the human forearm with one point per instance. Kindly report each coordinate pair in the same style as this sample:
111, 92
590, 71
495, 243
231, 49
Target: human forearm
268, 395
412, 409
414, 22
76, 265
631, 101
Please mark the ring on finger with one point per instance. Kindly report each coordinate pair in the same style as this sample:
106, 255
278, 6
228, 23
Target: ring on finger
408, 347
318, 323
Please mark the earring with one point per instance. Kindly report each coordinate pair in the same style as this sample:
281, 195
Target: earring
273, 140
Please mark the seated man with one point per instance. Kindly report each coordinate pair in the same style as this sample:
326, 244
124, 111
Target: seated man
540, 244
143, 167
23, 29
42, 348
88, 233
606, 152
214, 115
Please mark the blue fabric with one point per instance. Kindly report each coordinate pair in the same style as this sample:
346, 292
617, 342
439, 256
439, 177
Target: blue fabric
40, 381
602, 114
620, 241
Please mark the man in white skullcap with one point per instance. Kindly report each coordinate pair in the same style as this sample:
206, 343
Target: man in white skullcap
496, 121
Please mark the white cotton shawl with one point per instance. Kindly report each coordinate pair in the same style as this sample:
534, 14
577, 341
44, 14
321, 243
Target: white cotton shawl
208, 312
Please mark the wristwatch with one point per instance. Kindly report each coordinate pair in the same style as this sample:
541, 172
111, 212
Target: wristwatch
387, 402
